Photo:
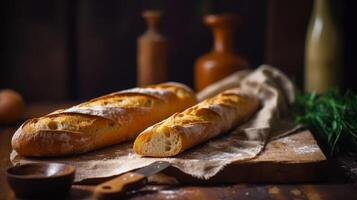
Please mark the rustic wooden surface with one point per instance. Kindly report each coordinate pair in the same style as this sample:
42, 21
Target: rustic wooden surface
293, 159
328, 189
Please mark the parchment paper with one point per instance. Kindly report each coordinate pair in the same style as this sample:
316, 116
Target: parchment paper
272, 87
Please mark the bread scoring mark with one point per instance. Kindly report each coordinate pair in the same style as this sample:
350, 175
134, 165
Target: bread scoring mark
176, 84
116, 114
156, 92
227, 114
124, 100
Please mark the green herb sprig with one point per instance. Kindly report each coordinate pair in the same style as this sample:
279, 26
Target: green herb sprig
331, 117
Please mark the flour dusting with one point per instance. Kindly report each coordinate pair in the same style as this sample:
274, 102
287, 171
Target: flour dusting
307, 149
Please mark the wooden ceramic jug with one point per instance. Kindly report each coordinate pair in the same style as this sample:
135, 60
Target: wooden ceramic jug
222, 60
151, 52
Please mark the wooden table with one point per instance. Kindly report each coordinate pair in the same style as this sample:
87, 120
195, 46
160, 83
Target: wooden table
337, 187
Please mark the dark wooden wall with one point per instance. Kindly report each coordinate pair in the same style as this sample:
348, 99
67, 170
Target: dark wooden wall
34, 58
77, 49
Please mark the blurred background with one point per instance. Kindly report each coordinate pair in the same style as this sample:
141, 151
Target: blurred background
62, 50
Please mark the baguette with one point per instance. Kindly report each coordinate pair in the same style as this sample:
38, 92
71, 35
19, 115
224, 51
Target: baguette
101, 122
197, 124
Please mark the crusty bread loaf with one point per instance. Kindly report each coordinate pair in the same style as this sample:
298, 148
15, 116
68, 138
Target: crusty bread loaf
197, 124
101, 122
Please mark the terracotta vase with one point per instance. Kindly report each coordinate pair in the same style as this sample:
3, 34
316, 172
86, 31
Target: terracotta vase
151, 52
221, 60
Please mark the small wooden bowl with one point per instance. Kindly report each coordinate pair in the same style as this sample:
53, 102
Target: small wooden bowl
41, 179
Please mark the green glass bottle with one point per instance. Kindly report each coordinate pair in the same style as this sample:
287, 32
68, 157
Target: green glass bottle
323, 49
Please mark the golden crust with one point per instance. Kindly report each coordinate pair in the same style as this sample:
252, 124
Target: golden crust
100, 122
197, 124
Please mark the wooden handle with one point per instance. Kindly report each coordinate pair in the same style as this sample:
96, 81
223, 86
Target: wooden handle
118, 186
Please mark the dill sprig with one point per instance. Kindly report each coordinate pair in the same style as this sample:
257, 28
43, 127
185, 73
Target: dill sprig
332, 118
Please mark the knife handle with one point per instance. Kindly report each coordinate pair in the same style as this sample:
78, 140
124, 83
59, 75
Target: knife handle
118, 186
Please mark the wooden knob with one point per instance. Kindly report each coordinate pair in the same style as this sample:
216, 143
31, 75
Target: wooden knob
152, 18
226, 20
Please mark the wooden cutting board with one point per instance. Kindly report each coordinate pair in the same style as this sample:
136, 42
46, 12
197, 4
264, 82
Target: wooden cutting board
291, 159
